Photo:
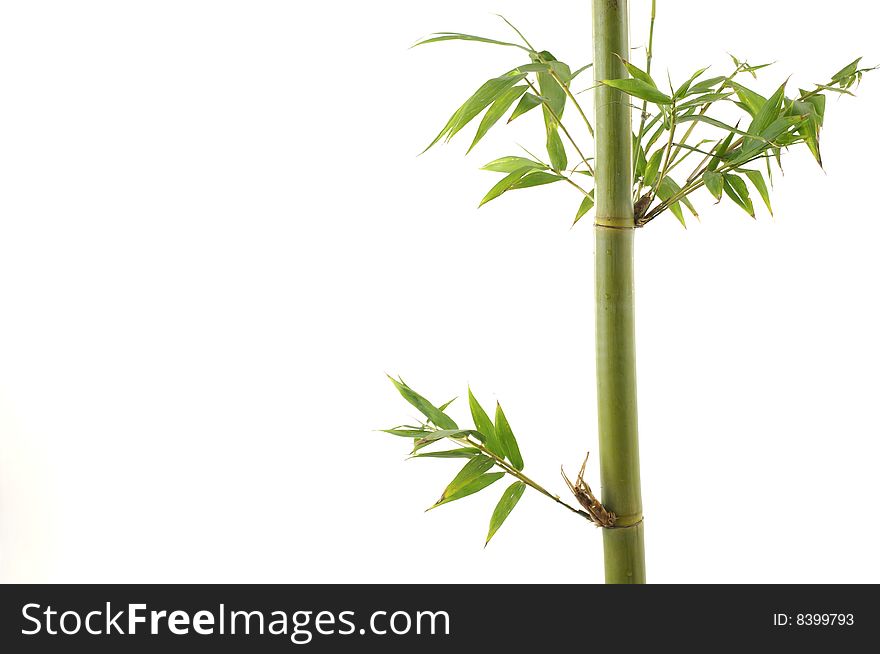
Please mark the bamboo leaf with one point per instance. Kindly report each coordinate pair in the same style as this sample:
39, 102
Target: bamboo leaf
766, 115
751, 101
510, 164
459, 453
639, 89
736, 189
720, 152
505, 184
508, 440
638, 73
653, 167
846, 72
537, 178
586, 204
482, 98
445, 405
528, 102
434, 436
427, 409
436, 37
684, 88
706, 85
707, 98
757, 180
711, 121
406, 433
556, 149
475, 486
498, 108
666, 191
484, 425
714, 183
580, 70
553, 107
471, 470
505, 505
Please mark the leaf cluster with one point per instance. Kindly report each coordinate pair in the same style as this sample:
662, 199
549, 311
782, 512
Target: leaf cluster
732, 161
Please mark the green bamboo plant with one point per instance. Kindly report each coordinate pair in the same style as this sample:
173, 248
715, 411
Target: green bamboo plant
639, 169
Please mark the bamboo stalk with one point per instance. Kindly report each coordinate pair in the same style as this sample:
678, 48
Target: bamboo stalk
615, 327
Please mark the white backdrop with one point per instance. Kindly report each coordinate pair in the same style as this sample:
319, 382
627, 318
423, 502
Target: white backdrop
216, 238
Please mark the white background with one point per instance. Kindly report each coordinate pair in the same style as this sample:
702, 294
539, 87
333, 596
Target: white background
216, 238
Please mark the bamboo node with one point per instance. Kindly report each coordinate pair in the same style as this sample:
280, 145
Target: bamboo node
595, 512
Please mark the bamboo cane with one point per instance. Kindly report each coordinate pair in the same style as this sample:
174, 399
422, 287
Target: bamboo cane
615, 327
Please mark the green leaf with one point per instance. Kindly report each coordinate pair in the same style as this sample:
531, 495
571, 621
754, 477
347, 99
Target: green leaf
505, 505
505, 184
757, 180
752, 102
766, 115
498, 109
653, 167
482, 98
436, 37
706, 85
639, 89
407, 433
711, 121
528, 102
846, 72
440, 434
475, 486
537, 178
714, 183
720, 152
639, 74
667, 190
471, 470
580, 70
445, 405
586, 204
460, 453
684, 88
736, 189
707, 98
484, 425
556, 149
553, 107
508, 440
427, 409
510, 164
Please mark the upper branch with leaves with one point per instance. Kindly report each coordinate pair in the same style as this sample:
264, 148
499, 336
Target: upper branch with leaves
664, 137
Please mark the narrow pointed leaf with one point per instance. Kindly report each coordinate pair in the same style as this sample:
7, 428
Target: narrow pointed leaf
505, 184
407, 433
436, 37
667, 190
736, 189
653, 167
505, 505
471, 470
460, 453
714, 183
484, 425
475, 486
751, 101
757, 180
556, 149
639, 89
528, 102
639, 74
766, 116
510, 164
427, 409
537, 178
496, 111
586, 204
508, 440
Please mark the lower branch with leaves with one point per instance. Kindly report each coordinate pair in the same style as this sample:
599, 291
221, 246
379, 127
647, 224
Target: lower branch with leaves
492, 452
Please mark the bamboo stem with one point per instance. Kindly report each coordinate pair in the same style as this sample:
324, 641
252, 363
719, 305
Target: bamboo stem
615, 327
